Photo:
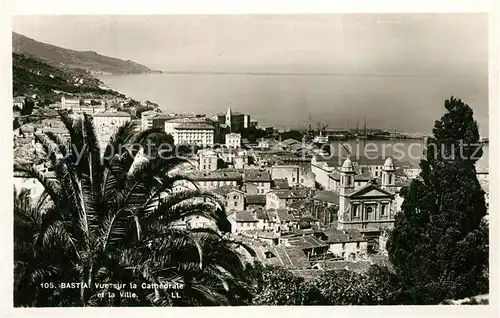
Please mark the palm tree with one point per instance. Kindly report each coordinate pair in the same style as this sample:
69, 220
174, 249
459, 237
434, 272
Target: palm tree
115, 220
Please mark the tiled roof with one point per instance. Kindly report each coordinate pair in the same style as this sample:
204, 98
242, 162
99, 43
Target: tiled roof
284, 214
291, 193
112, 114
327, 196
281, 183
224, 190
305, 242
339, 236
244, 216
365, 176
226, 175
195, 126
291, 141
256, 199
257, 176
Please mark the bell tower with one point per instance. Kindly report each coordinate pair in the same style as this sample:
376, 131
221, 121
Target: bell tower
389, 176
228, 117
346, 187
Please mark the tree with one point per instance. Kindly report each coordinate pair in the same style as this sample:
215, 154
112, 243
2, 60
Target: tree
277, 286
28, 107
112, 220
439, 244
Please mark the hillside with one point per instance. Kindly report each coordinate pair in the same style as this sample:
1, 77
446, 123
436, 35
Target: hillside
87, 60
32, 76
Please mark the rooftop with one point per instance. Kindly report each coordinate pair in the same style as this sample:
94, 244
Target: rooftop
291, 193
327, 196
254, 175
343, 236
224, 190
244, 216
112, 114
222, 174
195, 126
281, 183
256, 199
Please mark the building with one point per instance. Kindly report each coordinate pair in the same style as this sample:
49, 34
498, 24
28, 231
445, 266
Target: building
280, 199
296, 175
235, 121
255, 201
147, 119
254, 123
348, 245
257, 181
370, 208
207, 160
233, 140
325, 207
69, 103
79, 107
263, 143
234, 199
200, 134
18, 102
242, 221
107, 124
209, 180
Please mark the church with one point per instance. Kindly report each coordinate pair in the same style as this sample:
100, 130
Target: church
236, 121
362, 202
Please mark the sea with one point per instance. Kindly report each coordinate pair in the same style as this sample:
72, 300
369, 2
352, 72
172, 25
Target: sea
395, 103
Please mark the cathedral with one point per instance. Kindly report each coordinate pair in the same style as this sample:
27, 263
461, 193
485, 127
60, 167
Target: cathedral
370, 206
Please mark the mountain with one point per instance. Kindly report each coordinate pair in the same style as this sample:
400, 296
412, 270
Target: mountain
66, 58
31, 76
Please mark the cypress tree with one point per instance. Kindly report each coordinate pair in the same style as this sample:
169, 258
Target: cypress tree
439, 244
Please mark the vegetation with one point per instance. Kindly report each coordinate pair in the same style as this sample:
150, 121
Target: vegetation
34, 77
439, 246
112, 220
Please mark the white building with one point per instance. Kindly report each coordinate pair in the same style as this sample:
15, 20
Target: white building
107, 124
146, 119
207, 160
233, 140
200, 134
69, 103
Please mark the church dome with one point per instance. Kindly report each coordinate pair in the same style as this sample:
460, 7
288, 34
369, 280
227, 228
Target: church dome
389, 164
347, 166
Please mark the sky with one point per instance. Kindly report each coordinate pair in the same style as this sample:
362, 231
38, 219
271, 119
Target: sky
395, 69
348, 43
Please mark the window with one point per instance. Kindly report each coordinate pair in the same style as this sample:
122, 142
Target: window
382, 210
357, 244
369, 212
235, 203
343, 246
355, 210
293, 180
235, 197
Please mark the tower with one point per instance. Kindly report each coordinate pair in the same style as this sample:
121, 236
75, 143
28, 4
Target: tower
389, 176
346, 187
229, 117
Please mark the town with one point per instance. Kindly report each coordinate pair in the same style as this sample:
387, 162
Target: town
254, 160
293, 204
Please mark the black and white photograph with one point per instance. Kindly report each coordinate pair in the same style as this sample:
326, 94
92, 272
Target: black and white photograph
319, 159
